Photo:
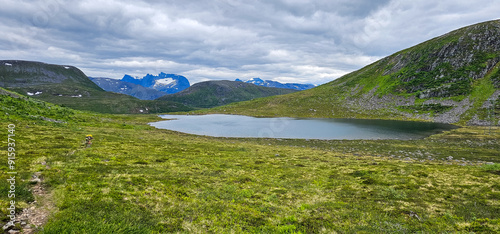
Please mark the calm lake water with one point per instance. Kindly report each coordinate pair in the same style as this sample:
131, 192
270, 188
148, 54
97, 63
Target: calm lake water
219, 125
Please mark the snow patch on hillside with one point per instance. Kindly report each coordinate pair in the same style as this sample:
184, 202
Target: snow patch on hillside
165, 81
33, 94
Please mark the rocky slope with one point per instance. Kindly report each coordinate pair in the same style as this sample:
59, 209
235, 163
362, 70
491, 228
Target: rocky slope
453, 78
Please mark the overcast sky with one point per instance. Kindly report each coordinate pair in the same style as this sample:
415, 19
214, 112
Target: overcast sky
285, 40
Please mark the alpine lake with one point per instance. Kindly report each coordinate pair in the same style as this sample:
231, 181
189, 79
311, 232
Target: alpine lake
220, 125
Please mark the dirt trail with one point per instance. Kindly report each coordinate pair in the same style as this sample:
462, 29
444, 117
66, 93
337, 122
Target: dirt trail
32, 218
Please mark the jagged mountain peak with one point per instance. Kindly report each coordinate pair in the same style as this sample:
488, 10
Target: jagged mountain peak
23, 74
135, 90
168, 83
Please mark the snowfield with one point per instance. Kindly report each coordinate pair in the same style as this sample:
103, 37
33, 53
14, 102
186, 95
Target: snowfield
165, 81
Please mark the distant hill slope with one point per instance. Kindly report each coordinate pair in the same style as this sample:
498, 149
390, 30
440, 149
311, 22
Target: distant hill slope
15, 106
216, 93
134, 90
25, 74
168, 83
446, 79
276, 84
69, 86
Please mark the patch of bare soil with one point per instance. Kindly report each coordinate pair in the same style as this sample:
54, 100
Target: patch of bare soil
32, 218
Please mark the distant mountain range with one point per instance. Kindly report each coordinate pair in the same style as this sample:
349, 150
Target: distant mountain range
69, 86
135, 90
276, 84
168, 83
221, 92
151, 87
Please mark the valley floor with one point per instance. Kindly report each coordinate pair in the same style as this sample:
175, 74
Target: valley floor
137, 179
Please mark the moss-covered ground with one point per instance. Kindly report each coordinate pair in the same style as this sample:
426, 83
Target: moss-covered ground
138, 179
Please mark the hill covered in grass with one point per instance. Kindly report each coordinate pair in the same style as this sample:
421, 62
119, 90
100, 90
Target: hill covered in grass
217, 93
453, 78
70, 87
138, 179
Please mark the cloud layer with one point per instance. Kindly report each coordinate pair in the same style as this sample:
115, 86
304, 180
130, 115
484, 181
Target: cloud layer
286, 40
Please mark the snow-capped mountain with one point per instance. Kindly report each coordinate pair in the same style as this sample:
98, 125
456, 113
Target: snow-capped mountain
168, 83
135, 90
276, 84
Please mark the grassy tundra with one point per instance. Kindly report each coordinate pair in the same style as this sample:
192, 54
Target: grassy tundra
137, 179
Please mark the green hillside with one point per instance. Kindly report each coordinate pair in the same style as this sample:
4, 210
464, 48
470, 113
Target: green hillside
217, 93
70, 87
138, 179
447, 79
17, 107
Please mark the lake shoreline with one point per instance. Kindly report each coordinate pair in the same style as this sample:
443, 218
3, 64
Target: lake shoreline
242, 126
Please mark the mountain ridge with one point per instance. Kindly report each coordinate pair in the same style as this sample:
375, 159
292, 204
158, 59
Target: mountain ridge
168, 83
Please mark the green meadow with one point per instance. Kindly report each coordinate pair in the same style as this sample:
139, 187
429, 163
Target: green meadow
138, 179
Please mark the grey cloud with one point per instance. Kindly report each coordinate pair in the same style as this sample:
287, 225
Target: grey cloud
315, 41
